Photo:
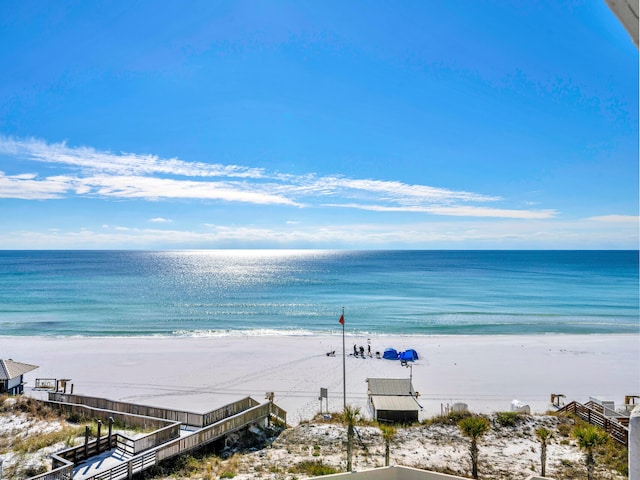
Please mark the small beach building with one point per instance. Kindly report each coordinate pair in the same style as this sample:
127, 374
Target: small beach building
12, 376
392, 400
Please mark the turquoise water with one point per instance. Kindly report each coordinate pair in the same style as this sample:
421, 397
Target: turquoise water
267, 292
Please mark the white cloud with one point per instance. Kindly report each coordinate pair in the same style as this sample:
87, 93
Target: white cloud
158, 188
29, 187
456, 211
633, 219
148, 177
472, 211
467, 234
160, 220
399, 190
91, 160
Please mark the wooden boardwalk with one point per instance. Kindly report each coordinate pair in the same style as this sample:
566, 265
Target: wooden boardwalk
117, 456
593, 413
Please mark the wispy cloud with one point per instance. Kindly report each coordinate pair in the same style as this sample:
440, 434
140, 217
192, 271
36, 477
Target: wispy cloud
30, 187
91, 160
403, 192
633, 219
457, 211
472, 233
152, 188
148, 177
160, 220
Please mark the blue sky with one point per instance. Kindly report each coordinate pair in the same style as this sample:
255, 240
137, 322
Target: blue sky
317, 124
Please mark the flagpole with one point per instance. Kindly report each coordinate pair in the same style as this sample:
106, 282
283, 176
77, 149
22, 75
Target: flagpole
344, 368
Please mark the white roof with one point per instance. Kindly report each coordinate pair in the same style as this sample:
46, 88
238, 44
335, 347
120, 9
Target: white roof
390, 386
10, 369
394, 403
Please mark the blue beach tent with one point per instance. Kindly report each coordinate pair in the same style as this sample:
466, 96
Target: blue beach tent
408, 355
390, 354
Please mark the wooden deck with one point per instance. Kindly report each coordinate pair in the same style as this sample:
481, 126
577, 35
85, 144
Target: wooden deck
119, 457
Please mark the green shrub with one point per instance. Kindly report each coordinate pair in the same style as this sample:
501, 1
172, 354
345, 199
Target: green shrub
313, 468
450, 419
615, 456
34, 443
75, 417
34, 470
611, 454
565, 429
507, 419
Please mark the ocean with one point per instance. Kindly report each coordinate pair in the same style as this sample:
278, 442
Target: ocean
303, 292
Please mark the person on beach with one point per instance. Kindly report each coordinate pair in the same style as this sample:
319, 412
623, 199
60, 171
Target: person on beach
355, 350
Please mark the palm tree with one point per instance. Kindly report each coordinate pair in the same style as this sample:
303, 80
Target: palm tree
474, 428
589, 438
544, 436
388, 432
351, 416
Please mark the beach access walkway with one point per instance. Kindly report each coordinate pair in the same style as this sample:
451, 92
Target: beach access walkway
595, 413
115, 461
168, 433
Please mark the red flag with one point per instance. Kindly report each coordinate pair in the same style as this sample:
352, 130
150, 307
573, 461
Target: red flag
341, 321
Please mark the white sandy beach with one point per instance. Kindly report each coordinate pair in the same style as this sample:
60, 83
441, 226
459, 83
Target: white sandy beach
199, 374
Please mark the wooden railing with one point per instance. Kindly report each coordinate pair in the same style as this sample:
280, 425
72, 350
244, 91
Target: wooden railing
279, 414
179, 446
128, 468
160, 444
227, 411
126, 445
213, 432
45, 383
612, 426
75, 455
90, 411
62, 470
156, 438
188, 418
621, 418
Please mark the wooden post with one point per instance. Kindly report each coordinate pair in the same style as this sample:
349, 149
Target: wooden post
556, 399
110, 430
269, 396
99, 428
86, 441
